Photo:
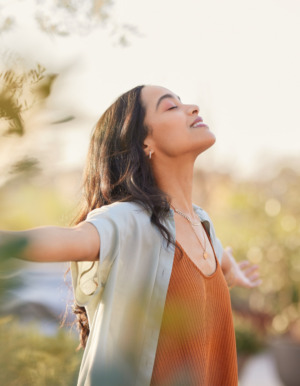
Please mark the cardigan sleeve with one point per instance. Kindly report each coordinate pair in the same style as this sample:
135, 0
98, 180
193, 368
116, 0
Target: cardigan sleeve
107, 224
89, 277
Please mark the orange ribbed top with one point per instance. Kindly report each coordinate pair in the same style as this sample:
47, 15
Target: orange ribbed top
196, 344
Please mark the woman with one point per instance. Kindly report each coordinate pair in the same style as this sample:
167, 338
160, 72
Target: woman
148, 272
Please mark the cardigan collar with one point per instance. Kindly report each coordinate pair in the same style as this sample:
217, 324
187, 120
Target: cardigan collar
201, 214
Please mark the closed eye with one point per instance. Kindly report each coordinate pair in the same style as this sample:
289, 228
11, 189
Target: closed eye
173, 107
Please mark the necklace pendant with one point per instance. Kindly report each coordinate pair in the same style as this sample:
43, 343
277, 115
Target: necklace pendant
205, 255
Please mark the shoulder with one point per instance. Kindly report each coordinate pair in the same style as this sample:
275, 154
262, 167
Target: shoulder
202, 213
204, 217
121, 212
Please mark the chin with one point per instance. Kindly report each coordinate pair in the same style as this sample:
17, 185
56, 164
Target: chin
207, 143
213, 139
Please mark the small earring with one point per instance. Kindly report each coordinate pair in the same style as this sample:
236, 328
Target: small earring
150, 154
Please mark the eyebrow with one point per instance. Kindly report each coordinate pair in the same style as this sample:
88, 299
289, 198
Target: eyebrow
164, 97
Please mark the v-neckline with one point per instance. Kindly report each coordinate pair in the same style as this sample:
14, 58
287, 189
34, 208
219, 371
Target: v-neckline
216, 260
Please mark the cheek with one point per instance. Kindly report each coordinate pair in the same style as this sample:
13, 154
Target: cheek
169, 139
170, 126
178, 139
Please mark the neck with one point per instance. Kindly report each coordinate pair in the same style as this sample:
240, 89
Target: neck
175, 178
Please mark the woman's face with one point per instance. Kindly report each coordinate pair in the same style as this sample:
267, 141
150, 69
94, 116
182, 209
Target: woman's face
175, 128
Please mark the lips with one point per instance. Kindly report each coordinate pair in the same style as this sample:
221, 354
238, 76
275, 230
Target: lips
198, 122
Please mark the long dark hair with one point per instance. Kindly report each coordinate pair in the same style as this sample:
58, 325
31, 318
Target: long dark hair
117, 169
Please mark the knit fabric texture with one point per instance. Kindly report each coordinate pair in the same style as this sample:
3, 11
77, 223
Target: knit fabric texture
197, 341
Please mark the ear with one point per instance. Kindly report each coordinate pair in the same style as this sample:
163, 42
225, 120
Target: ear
148, 146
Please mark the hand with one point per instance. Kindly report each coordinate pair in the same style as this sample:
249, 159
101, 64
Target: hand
242, 274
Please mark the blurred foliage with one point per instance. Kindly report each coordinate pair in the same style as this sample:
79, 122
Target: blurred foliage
25, 204
25, 165
249, 340
29, 358
260, 220
11, 248
71, 17
20, 90
6, 24
63, 17
23, 90
9, 279
60, 17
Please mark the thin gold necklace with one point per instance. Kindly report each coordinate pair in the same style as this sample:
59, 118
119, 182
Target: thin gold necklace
186, 217
205, 254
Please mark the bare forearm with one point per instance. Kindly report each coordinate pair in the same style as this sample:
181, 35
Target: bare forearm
227, 264
45, 244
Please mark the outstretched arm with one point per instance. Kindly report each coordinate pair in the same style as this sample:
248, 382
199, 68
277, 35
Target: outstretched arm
56, 244
242, 274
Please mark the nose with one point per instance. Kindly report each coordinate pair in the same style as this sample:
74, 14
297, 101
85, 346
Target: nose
193, 109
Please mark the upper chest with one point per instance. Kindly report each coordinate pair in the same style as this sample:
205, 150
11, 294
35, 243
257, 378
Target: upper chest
195, 241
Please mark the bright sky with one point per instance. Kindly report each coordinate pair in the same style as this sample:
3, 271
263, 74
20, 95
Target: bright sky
238, 60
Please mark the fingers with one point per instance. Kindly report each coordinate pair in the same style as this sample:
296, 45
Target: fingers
256, 283
249, 275
247, 267
254, 277
244, 282
249, 271
243, 264
248, 283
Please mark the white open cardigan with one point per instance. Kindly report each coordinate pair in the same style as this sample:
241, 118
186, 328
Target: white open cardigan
124, 292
